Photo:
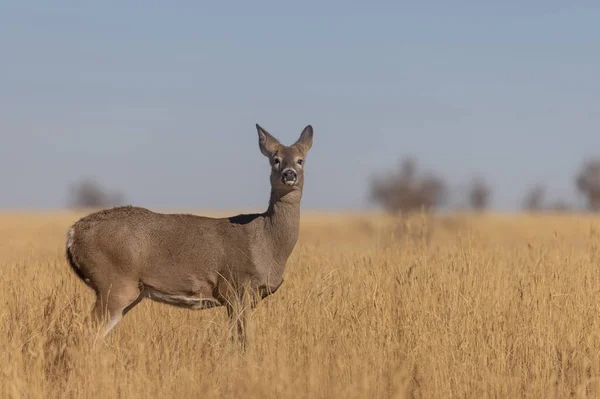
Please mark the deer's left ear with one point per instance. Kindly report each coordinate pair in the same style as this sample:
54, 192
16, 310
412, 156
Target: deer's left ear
304, 143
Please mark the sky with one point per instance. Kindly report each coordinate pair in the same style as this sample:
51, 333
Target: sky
159, 100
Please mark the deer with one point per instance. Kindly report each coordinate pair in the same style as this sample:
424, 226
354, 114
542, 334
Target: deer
129, 253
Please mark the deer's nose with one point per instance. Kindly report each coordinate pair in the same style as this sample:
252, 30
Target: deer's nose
289, 175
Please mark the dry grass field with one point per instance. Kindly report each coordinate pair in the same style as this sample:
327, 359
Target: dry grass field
451, 306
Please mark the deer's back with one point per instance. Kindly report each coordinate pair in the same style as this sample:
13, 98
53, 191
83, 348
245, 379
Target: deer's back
136, 243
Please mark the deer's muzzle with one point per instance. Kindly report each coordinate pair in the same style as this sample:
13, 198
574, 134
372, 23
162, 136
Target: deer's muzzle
289, 177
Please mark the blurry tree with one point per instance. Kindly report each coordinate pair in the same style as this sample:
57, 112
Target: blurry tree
404, 190
534, 199
480, 194
88, 193
588, 183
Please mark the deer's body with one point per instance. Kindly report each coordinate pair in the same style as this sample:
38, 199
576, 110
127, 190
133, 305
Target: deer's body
129, 253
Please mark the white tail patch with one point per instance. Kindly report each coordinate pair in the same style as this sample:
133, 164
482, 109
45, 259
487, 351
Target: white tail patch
70, 235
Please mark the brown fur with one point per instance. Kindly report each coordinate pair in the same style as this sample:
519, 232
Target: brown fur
128, 253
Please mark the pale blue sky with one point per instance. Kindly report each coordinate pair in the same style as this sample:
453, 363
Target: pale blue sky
159, 100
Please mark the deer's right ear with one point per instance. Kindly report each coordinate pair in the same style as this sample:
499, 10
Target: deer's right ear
267, 143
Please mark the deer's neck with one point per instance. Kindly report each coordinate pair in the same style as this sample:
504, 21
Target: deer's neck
283, 222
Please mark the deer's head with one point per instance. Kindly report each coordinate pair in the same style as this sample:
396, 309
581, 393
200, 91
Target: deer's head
287, 163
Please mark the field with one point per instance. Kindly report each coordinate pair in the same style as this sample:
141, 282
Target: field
435, 307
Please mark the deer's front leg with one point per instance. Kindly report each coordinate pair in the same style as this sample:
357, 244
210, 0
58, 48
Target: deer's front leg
238, 325
239, 307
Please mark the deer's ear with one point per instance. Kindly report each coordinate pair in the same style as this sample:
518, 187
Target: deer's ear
305, 141
267, 143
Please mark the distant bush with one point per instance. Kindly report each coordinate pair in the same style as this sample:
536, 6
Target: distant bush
480, 194
534, 199
88, 193
588, 183
404, 190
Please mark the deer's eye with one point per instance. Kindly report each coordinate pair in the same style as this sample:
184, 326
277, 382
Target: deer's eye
276, 161
300, 162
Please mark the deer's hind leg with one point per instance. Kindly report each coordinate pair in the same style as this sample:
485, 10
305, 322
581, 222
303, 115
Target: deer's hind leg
113, 301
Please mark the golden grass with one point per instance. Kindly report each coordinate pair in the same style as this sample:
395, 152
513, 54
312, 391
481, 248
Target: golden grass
453, 306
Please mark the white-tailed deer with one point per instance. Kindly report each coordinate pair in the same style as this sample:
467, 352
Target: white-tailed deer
129, 253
